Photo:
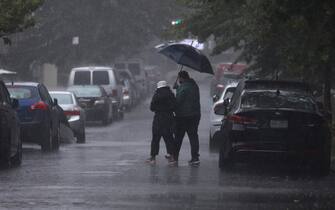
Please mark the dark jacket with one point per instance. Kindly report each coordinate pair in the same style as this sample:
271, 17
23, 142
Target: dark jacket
188, 99
163, 103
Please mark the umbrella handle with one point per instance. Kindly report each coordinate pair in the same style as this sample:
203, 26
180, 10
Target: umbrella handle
175, 85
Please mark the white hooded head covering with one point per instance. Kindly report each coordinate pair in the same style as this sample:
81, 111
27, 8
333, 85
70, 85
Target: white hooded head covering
161, 84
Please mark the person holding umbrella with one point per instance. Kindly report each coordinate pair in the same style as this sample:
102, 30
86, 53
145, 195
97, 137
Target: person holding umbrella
187, 115
163, 103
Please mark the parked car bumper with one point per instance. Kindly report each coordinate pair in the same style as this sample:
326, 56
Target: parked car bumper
76, 124
95, 114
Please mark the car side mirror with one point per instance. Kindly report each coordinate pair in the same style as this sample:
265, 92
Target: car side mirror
15, 103
55, 102
220, 109
215, 98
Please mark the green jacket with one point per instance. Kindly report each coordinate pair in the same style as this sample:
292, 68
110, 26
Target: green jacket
188, 99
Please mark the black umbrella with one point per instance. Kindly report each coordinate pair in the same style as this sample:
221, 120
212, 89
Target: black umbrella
187, 55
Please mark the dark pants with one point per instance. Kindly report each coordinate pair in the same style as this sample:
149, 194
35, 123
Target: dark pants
163, 126
187, 125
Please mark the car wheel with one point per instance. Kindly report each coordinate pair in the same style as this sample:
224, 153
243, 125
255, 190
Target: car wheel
46, 144
5, 161
81, 137
56, 139
120, 114
105, 120
214, 143
323, 165
17, 159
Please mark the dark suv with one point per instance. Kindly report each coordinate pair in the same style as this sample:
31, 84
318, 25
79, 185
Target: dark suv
10, 141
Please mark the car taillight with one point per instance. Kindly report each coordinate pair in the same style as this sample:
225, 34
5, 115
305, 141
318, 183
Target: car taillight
75, 111
114, 93
39, 106
241, 119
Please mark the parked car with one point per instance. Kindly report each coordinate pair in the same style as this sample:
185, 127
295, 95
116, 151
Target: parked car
135, 66
225, 74
215, 119
129, 90
267, 120
95, 101
38, 113
74, 113
10, 140
102, 76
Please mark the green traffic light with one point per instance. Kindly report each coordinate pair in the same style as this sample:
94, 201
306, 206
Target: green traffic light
176, 22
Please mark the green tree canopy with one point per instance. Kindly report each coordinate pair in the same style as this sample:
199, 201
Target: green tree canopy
294, 37
16, 15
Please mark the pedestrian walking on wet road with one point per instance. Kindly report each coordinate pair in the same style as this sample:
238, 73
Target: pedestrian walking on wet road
163, 104
187, 115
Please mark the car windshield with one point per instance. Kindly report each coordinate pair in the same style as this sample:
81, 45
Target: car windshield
62, 98
22, 92
86, 91
274, 99
274, 85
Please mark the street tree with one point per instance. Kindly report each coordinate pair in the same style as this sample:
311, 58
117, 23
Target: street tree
296, 38
15, 16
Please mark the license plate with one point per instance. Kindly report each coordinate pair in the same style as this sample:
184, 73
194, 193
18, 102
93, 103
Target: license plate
278, 124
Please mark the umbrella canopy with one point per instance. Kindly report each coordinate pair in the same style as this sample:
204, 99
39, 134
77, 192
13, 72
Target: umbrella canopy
187, 55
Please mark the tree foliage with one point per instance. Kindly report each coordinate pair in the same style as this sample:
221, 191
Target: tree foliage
296, 37
16, 15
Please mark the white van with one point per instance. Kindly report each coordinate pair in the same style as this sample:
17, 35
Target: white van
100, 75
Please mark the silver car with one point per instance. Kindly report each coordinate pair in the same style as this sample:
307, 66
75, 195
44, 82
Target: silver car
216, 120
74, 113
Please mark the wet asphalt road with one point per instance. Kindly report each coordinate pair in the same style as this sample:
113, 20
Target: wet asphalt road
109, 172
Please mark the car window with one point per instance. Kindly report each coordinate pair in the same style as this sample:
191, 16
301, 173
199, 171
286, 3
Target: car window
45, 96
86, 91
62, 98
228, 93
82, 78
21, 92
272, 99
100, 78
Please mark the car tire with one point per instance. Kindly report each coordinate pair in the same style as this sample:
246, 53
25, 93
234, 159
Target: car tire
56, 139
105, 121
17, 159
81, 137
214, 143
46, 144
5, 162
322, 167
120, 114
226, 162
